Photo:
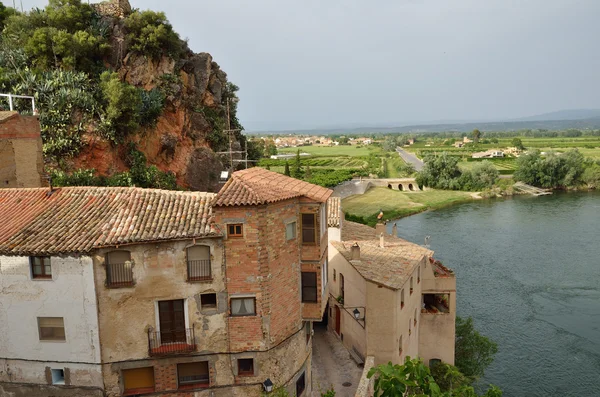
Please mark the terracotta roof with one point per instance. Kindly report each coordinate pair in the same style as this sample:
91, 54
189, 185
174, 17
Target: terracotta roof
390, 266
256, 186
79, 219
5, 115
334, 211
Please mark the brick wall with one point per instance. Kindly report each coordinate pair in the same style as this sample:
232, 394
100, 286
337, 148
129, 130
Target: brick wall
21, 163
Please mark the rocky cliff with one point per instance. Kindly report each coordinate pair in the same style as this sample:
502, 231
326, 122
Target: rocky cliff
195, 107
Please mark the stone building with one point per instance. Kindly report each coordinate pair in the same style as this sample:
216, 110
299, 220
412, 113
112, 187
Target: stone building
388, 298
21, 163
162, 292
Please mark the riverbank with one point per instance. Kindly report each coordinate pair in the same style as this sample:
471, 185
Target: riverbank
396, 204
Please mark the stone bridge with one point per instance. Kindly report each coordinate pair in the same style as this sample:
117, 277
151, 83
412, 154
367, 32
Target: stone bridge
360, 186
402, 184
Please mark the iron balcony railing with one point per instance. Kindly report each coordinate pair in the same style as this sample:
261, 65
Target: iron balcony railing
199, 270
171, 342
119, 274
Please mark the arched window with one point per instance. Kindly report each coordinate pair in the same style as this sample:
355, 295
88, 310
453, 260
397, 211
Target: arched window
198, 263
119, 269
434, 361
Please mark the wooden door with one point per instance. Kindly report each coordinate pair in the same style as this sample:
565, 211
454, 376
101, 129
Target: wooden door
337, 319
172, 321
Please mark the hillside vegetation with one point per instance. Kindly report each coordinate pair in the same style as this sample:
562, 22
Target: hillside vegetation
121, 98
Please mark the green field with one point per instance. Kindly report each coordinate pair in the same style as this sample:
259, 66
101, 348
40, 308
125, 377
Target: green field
327, 151
396, 204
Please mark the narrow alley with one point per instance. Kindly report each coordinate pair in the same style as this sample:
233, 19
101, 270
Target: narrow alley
332, 365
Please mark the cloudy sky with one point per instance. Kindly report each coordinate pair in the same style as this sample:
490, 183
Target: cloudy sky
319, 63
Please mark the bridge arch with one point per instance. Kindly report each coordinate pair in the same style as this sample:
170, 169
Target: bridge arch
400, 187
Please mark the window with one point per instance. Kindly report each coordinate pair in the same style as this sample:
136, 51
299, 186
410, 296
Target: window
198, 263
411, 285
119, 269
436, 303
245, 367
309, 227
58, 376
193, 374
402, 299
415, 318
138, 381
419, 274
333, 274
309, 287
434, 361
51, 328
409, 326
342, 287
243, 306
208, 301
40, 267
235, 230
290, 230
300, 385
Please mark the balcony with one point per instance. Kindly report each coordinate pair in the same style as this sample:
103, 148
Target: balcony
171, 342
199, 270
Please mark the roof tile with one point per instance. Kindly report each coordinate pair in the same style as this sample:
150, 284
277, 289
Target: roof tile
79, 219
256, 186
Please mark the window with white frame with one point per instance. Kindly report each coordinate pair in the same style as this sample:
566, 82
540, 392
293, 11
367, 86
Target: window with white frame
291, 230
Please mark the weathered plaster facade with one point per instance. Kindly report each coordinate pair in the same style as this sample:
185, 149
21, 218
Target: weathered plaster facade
395, 325
24, 358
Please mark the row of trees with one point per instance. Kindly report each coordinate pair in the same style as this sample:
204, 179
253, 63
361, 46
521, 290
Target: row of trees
558, 170
442, 172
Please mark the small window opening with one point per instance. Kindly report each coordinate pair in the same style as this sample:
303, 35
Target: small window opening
245, 367
235, 230
436, 303
58, 376
208, 301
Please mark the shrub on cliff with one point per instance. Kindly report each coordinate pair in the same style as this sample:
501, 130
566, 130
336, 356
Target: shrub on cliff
151, 34
122, 103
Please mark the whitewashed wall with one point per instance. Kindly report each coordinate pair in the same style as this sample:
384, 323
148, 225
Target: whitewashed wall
71, 295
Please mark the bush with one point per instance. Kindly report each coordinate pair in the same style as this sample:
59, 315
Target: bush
122, 104
152, 35
152, 104
591, 176
552, 171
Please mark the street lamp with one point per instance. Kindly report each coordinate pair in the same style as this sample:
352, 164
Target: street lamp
268, 385
356, 314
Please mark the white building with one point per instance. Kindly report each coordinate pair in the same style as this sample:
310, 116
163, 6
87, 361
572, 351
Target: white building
49, 324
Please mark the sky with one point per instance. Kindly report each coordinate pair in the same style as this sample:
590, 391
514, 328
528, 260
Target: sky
304, 64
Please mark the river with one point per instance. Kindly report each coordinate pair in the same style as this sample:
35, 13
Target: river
528, 272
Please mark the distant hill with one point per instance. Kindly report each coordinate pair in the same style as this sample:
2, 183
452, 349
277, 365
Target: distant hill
567, 114
558, 120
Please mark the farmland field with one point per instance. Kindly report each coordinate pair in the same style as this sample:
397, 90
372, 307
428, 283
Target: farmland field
341, 150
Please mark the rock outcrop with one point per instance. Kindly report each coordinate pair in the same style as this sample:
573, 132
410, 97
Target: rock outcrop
194, 85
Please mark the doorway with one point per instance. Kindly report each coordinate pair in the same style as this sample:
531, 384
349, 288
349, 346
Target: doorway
337, 319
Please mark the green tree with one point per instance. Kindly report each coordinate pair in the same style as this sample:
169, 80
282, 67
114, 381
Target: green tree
5, 12
286, 170
151, 34
439, 172
411, 379
484, 175
476, 135
122, 103
516, 142
296, 166
591, 176
473, 351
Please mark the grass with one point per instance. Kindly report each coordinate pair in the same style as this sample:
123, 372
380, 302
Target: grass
396, 204
341, 150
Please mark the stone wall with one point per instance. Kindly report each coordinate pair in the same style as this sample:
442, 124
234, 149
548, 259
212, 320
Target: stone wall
365, 386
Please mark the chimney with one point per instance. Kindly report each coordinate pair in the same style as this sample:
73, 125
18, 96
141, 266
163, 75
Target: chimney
395, 230
380, 227
381, 241
355, 251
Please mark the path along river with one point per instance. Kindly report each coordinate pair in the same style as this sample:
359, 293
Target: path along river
528, 272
